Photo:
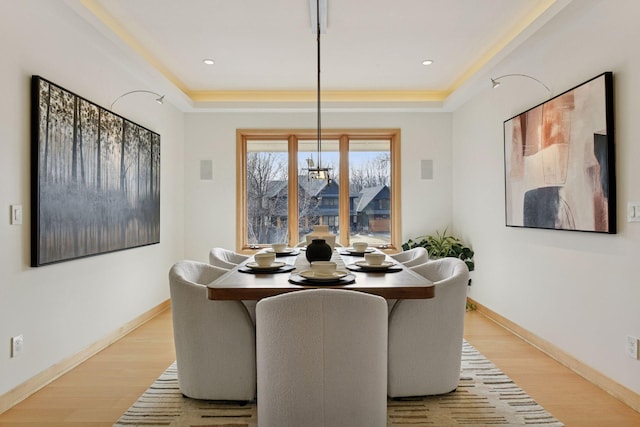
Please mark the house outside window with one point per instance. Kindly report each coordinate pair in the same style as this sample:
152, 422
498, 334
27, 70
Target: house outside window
272, 173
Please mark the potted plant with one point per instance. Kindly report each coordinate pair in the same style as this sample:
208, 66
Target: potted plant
443, 245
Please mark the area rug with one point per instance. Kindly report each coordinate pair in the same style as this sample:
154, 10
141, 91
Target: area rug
485, 397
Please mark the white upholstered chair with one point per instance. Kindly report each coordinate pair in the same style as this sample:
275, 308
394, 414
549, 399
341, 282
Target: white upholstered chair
225, 258
412, 257
409, 258
215, 340
425, 335
321, 357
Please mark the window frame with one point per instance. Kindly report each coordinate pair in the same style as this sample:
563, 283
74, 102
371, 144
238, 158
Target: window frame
292, 136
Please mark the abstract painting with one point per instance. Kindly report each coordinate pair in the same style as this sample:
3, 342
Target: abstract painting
95, 178
559, 161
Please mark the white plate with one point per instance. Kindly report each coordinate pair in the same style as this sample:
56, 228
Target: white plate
366, 251
286, 251
383, 266
273, 266
312, 275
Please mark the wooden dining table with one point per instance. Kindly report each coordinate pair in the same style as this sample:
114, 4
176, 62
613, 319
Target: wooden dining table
397, 283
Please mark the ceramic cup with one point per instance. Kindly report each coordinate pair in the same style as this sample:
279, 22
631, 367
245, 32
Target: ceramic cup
360, 246
279, 247
265, 259
323, 268
374, 258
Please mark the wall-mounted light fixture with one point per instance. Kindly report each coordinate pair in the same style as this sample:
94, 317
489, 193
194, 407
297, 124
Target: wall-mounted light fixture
495, 81
159, 99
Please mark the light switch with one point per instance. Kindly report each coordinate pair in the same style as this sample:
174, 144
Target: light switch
633, 212
16, 214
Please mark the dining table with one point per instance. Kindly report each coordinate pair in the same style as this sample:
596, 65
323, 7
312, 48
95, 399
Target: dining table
393, 282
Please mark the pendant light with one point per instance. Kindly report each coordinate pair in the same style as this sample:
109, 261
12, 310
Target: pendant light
318, 172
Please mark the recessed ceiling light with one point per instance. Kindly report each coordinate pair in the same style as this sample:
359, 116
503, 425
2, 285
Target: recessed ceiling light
208, 61
427, 62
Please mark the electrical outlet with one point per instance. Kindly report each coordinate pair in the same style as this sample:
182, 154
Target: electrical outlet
632, 347
17, 343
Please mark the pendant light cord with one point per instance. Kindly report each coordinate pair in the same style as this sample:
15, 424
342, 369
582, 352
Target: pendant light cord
319, 121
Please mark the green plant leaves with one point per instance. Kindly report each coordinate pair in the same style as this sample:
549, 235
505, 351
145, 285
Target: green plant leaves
443, 245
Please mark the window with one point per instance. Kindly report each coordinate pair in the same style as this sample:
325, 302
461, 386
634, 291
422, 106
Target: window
266, 193
277, 202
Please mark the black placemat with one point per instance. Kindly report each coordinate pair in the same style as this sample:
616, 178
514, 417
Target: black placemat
392, 269
297, 279
285, 254
355, 253
283, 269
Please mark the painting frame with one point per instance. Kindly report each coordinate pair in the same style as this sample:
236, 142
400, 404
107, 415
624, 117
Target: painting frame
559, 161
95, 178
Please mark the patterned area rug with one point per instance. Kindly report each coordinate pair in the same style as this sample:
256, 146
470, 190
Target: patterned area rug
485, 397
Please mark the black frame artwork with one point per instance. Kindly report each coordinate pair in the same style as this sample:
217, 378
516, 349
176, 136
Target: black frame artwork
95, 178
560, 163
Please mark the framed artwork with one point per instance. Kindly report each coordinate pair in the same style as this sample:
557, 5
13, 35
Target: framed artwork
95, 178
560, 164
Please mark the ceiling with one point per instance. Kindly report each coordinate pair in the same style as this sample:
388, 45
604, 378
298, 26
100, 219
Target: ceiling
265, 51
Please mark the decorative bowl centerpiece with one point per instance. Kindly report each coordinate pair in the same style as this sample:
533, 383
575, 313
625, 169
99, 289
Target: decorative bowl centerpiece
318, 250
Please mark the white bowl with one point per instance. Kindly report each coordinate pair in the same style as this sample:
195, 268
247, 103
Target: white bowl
265, 259
323, 268
360, 246
374, 258
279, 247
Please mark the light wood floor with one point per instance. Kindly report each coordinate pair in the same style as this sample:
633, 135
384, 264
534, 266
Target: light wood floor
570, 398
97, 392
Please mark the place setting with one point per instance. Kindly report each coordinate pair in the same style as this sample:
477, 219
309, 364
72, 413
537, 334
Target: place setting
322, 273
357, 249
265, 262
376, 263
281, 250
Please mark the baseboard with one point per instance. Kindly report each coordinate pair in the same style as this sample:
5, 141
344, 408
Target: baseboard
32, 385
617, 390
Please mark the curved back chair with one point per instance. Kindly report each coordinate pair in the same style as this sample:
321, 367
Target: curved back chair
412, 257
322, 359
409, 258
425, 335
215, 340
225, 258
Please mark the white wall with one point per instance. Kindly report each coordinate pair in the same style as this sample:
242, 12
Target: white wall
61, 309
579, 291
210, 206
